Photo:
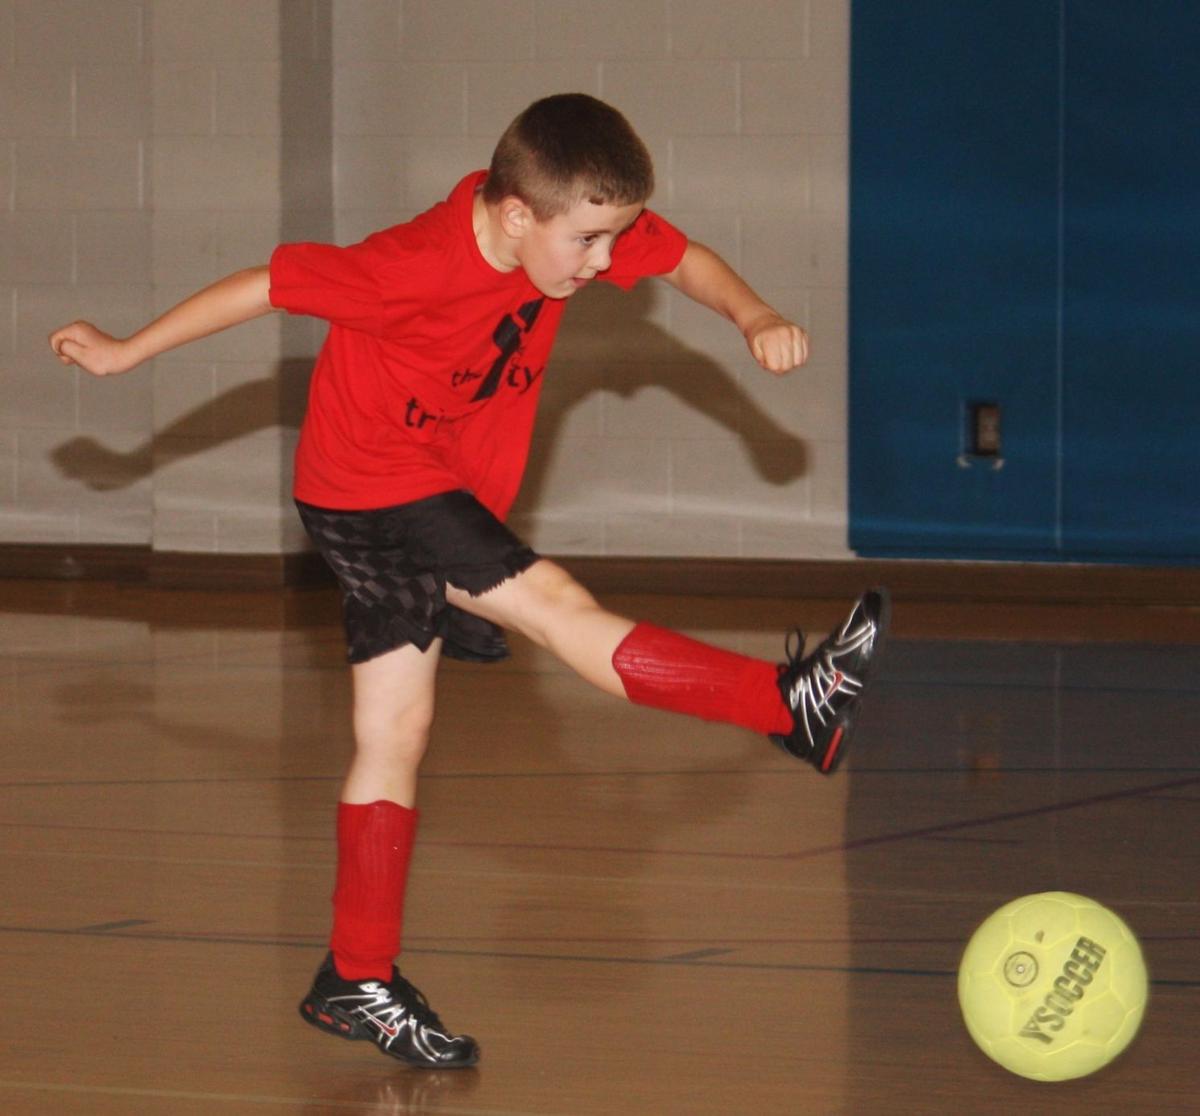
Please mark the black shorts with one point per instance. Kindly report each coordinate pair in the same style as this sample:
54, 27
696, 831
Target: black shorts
393, 565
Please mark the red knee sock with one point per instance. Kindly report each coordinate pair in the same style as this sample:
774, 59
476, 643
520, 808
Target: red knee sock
664, 669
374, 847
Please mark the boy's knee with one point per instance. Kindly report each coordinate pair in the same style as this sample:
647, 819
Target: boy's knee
536, 601
556, 589
392, 719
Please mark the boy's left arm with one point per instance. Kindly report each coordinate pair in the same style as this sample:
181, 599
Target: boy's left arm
777, 344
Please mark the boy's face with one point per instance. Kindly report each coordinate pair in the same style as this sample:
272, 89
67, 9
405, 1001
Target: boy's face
561, 255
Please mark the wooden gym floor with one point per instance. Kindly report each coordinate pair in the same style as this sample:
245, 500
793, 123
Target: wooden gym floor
635, 914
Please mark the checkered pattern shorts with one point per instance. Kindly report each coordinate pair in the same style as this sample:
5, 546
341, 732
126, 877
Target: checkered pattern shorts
393, 565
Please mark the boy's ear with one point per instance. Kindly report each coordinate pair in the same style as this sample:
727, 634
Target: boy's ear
516, 217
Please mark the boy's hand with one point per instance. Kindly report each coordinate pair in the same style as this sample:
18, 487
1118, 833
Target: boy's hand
92, 349
777, 344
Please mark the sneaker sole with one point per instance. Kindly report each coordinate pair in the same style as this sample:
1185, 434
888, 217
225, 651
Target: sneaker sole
833, 754
327, 1018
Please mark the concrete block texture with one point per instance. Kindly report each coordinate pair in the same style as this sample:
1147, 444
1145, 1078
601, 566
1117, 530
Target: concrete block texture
225, 172
8, 468
201, 484
670, 97
112, 101
63, 480
617, 29
217, 31
7, 15
183, 98
7, 178
479, 30
37, 100
686, 536
741, 173
52, 33
113, 247
381, 98
8, 319
782, 97
148, 147
36, 248
367, 31
65, 175
37, 395
748, 29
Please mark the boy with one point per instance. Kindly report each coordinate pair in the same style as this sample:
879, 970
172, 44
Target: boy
420, 413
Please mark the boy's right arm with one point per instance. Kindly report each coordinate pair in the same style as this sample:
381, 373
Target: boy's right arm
236, 298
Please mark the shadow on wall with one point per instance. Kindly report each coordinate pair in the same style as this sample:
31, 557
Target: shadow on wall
662, 361
234, 414
623, 351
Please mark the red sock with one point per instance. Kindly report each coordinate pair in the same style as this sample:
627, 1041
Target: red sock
666, 670
374, 847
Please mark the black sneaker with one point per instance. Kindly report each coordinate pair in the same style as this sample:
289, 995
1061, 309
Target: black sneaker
823, 689
393, 1015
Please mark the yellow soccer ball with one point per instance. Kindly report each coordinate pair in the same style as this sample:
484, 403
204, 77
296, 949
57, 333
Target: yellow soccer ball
1052, 986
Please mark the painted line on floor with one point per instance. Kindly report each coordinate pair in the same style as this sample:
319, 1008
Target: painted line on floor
523, 955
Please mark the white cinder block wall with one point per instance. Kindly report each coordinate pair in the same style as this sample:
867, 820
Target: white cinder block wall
75, 118
150, 146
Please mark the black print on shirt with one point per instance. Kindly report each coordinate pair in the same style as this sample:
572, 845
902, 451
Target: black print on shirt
416, 416
522, 377
507, 336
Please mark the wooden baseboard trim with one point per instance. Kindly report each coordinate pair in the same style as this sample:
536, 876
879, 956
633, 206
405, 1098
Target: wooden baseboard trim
237, 571
54, 562
140, 565
973, 582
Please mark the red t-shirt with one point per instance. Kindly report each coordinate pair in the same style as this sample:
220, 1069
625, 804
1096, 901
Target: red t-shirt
429, 378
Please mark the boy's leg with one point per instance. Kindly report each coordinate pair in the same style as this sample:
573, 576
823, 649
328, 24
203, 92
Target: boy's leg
358, 993
547, 605
641, 662
806, 705
393, 713
377, 816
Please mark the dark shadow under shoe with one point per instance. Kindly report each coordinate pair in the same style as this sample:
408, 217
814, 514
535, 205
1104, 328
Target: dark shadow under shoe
823, 690
392, 1014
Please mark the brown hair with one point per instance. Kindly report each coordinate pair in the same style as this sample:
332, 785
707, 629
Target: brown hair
569, 148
